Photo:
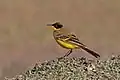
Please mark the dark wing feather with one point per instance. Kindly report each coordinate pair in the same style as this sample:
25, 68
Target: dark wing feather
75, 39
67, 37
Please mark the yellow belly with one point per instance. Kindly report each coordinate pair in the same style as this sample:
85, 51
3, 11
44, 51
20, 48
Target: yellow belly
67, 44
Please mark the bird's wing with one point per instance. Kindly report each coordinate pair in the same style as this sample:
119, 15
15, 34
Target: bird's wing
74, 38
69, 38
62, 37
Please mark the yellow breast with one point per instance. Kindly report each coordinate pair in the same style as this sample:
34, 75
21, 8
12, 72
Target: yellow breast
67, 44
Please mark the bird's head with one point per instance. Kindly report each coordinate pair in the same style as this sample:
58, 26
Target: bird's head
56, 25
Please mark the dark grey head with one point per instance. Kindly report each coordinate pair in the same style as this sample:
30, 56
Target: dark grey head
56, 25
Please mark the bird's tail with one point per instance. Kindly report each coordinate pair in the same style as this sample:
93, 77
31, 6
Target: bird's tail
95, 54
81, 45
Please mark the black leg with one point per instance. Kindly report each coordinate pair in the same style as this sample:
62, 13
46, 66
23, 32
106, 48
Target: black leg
68, 53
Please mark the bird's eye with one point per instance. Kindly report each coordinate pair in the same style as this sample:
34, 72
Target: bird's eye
57, 25
60, 26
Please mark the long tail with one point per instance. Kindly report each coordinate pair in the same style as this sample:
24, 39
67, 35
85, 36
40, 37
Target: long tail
81, 45
95, 54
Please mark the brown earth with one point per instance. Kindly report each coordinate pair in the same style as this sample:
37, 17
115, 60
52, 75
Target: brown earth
25, 39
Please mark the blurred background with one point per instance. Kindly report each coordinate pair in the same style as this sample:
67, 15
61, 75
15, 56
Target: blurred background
25, 39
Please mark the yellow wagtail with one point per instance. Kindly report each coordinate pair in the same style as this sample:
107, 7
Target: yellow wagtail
68, 40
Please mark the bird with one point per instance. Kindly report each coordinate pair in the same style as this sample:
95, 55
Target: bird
69, 40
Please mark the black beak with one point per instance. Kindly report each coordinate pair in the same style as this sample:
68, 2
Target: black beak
49, 24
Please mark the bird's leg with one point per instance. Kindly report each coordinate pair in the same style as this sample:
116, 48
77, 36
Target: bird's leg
68, 53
